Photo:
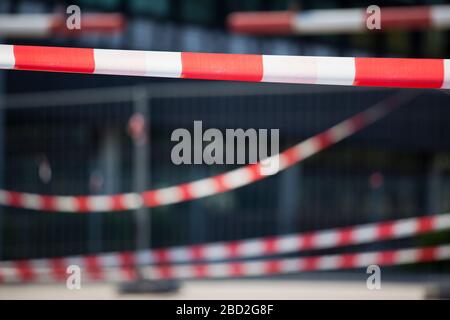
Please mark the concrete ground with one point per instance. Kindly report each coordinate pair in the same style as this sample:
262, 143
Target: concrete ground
228, 289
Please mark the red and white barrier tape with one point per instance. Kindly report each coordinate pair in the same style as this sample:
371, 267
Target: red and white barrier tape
209, 186
379, 72
47, 25
289, 243
335, 21
240, 269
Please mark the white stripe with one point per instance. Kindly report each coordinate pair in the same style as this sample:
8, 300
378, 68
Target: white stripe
442, 221
219, 270
289, 69
308, 148
183, 272
144, 257
67, 204
329, 21
180, 254
109, 260
237, 178
251, 248
163, 64
215, 251
31, 201
7, 60
365, 234
335, 71
287, 244
443, 252
253, 268
341, 131
406, 227
131, 200
9, 272
289, 265
366, 259
328, 262
326, 239
446, 82
406, 256
120, 62
202, 188
99, 203
440, 16
25, 25
169, 195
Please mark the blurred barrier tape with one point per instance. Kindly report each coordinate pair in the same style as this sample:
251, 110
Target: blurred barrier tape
239, 269
331, 238
208, 186
379, 72
335, 21
47, 25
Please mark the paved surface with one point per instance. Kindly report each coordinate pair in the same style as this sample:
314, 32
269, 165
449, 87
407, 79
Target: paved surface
230, 289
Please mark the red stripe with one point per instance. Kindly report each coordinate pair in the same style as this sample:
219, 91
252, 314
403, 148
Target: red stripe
325, 139
395, 72
58, 267
408, 18
93, 267
261, 22
185, 192
200, 270
290, 156
117, 202
387, 257
425, 224
347, 261
270, 245
161, 255
165, 271
54, 59
149, 199
310, 263
82, 204
307, 241
273, 266
15, 199
220, 66
48, 203
128, 263
197, 252
385, 230
233, 249
236, 269
345, 237
24, 270
428, 254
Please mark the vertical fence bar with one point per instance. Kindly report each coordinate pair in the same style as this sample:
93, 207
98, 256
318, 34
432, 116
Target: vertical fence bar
2, 153
141, 165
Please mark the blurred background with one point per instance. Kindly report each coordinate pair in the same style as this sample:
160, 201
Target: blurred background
72, 134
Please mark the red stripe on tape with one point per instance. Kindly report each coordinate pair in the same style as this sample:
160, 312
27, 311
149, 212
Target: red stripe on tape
396, 72
24, 270
220, 66
93, 267
59, 268
425, 224
261, 22
428, 254
54, 59
408, 18
385, 230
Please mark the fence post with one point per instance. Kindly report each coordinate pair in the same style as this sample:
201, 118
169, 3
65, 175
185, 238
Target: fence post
141, 164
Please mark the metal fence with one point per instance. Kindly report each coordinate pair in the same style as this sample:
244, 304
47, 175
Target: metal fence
81, 142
